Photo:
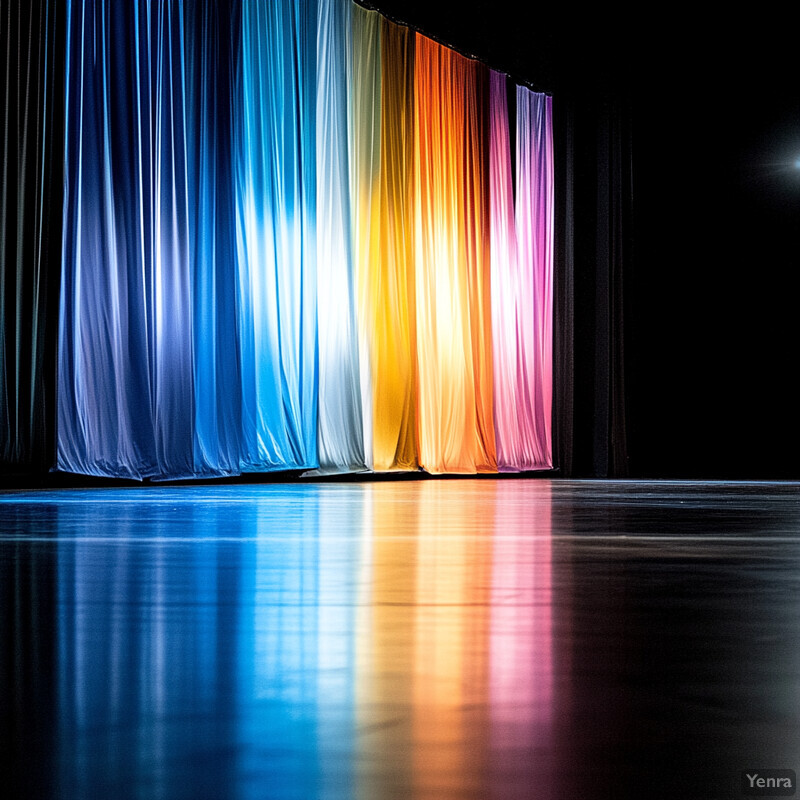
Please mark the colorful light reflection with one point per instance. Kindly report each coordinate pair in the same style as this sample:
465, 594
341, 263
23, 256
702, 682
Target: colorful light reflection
281, 641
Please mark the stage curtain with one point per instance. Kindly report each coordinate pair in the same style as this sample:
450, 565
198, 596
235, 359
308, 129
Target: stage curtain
275, 154
298, 236
454, 336
188, 310
522, 258
393, 340
534, 218
364, 120
504, 273
125, 386
31, 110
212, 49
340, 426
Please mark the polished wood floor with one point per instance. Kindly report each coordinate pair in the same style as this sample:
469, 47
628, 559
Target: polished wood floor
485, 639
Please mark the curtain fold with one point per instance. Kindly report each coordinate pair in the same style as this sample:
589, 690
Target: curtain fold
341, 432
504, 263
212, 53
392, 275
31, 108
117, 387
364, 119
276, 234
522, 266
453, 345
534, 218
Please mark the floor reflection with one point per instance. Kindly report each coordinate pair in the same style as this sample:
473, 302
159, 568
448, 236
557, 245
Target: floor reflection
403, 639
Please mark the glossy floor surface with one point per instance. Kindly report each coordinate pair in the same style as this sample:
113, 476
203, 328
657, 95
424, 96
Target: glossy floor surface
487, 639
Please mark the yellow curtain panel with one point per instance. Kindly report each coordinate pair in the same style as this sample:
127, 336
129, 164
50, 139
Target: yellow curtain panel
394, 332
365, 169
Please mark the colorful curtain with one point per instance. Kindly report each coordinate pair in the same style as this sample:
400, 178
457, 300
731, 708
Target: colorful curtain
534, 221
452, 283
394, 393
124, 381
275, 120
365, 159
298, 236
522, 291
211, 59
341, 432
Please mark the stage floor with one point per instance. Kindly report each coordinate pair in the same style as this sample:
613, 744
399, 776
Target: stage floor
484, 639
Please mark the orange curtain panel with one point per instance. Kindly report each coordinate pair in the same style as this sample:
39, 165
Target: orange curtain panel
454, 335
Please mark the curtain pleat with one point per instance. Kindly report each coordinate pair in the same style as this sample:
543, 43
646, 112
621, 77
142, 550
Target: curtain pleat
477, 229
393, 351
522, 253
276, 234
534, 220
212, 52
453, 356
364, 116
341, 432
504, 272
126, 349
31, 108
